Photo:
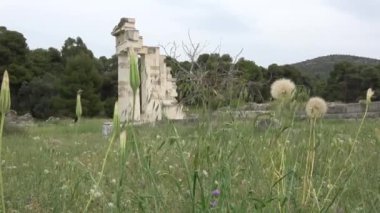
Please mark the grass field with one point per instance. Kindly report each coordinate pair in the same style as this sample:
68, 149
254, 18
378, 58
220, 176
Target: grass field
176, 167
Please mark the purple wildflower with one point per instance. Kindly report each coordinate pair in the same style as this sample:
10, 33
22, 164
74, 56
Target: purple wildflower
214, 203
215, 193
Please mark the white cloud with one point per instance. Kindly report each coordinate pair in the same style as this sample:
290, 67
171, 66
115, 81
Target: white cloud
271, 31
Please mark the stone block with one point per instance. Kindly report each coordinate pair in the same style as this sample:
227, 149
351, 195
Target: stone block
132, 35
107, 129
336, 108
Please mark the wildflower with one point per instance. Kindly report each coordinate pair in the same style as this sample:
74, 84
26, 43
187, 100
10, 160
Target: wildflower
330, 186
205, 173
282, 88
215, 193
213, 203
370, 93
5, 95
95, 192
316, 107
64, 187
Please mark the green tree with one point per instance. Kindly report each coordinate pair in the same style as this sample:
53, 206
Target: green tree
344, 83
13, 47
37, 95
252, 76
80, 73
109, 74
13, 54
38, 89
73, 47
370, 79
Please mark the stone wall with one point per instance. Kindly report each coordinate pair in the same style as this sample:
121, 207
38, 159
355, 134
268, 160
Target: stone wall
352, 110
335, 110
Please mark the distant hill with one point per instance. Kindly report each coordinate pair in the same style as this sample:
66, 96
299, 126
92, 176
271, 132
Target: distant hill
322, 66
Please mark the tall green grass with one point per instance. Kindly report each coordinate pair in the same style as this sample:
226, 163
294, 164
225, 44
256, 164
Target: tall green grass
47, 168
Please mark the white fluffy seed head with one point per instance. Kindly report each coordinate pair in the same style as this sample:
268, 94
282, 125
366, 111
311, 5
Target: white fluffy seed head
282, 88
370, 93
316, 107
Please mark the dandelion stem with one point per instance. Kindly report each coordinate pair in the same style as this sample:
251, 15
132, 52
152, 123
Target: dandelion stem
307, 167
312, 159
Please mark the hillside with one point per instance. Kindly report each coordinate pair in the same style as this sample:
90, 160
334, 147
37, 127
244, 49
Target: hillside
322, 66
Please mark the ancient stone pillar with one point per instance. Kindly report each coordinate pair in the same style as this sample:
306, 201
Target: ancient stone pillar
127, 39
156, 97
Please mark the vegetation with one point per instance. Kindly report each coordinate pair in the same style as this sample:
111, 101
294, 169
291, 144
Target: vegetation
47, 168
215, 164
45, 82
323, 66
222, 82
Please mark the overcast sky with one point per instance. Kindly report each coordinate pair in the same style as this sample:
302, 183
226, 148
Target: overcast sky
268, 31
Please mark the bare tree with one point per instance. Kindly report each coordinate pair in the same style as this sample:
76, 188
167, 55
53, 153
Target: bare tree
200, 80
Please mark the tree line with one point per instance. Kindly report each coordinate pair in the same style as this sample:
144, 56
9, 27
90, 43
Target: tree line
219, 81
44, 82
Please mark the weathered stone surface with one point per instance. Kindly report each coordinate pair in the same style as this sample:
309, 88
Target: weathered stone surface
257, 107
107, 129
266, 123
53, 119
156, 97
24, 120
336, 110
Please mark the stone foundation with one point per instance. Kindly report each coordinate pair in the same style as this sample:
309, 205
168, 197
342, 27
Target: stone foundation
335, 110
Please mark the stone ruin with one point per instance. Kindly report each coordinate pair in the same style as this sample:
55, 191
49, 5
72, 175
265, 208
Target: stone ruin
156, 97
336, 110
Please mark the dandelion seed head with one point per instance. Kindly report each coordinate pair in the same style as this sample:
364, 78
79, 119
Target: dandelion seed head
282, 88
316, 107
370, 93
